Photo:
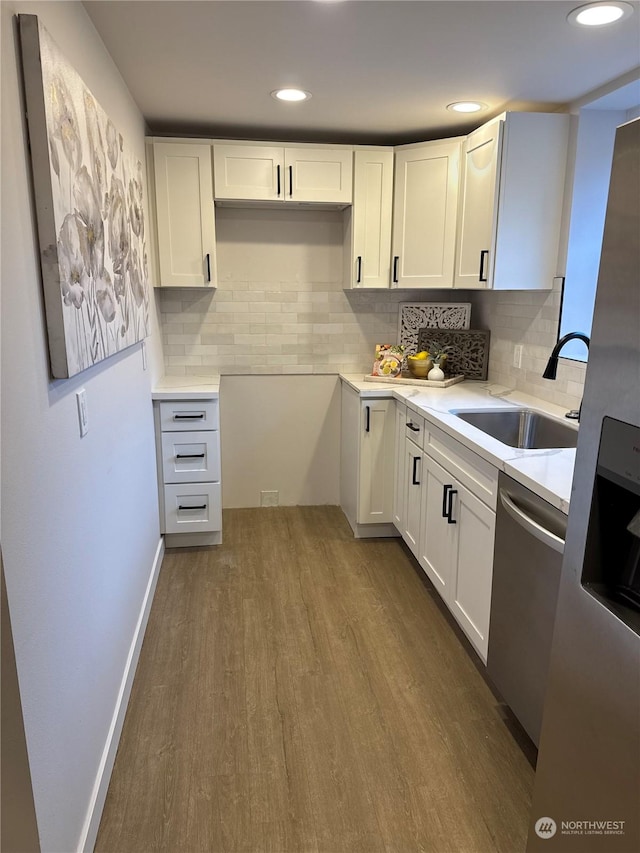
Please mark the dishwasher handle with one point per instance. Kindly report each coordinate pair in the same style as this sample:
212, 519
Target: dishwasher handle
533, 527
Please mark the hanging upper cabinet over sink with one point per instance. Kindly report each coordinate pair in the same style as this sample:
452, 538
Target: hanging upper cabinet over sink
511, 195
424, 214
263, 173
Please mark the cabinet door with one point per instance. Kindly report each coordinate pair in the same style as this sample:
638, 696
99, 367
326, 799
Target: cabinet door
399, 473
437, 534
478, 205
413, 461
470, 594
319, 175
185, 216
250, 172
424, 213
377, 456
371, 219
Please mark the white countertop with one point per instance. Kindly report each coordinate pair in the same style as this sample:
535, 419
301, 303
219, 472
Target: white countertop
186, 388
548, 473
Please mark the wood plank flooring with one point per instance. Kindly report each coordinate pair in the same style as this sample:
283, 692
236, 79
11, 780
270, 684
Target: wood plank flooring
299, 690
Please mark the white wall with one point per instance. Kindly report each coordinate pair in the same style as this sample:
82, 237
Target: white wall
280, 433
594, 154
79, 516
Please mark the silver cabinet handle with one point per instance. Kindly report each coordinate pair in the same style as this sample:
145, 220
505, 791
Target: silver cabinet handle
541, 533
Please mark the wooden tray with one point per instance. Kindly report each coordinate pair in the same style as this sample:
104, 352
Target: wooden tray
407, 379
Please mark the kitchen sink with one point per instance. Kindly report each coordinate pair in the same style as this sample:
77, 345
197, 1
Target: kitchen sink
522, 428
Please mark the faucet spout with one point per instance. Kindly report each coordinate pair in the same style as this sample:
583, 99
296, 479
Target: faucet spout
551, 369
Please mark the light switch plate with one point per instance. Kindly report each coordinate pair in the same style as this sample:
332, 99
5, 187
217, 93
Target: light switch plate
83, 412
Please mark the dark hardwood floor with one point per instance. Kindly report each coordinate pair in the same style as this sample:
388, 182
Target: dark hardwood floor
299, 690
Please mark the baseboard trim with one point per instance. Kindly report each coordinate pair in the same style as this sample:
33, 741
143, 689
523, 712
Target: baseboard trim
94, 813
372, 531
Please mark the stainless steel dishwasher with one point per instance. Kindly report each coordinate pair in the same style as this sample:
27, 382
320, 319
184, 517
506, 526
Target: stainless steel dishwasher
529, 545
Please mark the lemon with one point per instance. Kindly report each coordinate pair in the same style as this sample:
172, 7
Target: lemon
423, 356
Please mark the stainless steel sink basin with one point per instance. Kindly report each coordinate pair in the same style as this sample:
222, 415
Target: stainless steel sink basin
522, 428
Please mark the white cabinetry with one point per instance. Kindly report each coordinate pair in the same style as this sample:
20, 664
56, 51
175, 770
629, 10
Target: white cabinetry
447, 519
368, 222
399, 496
412, 461
272, 173
511, 197
188, 454
183, 191
424, 214
456, 550
367, 463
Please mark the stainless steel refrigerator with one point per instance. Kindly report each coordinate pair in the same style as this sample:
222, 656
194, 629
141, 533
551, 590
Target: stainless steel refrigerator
587, 786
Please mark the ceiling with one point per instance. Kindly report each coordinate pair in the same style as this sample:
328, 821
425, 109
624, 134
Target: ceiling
379, 70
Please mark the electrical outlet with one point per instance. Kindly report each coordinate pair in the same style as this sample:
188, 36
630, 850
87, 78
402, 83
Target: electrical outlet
269, 498
83, 412
517, 355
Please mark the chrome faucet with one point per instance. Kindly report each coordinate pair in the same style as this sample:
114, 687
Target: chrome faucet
551, 369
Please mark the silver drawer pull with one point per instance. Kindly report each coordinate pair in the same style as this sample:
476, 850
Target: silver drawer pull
189, 455
204, 506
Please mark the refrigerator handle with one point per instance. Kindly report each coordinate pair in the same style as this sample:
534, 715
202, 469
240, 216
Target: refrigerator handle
541, 533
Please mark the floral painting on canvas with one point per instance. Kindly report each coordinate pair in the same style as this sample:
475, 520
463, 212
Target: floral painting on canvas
89, 202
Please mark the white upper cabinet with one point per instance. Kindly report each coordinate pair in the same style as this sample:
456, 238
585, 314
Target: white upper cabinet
424, 214
184, 214
262, 173
367, 252
478, 191
511, 198
251, 172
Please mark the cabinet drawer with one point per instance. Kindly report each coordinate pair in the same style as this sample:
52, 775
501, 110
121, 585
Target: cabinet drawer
190, 457
192, 508
179, 415
414, 428
478, 475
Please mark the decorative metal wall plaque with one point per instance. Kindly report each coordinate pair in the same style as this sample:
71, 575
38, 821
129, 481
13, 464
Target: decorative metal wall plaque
437, 315
467, 350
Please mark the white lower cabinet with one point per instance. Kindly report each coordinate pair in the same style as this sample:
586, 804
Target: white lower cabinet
413, 461
367, 463
437, 533
472, 567
449, 529
456, 550
399, 497
189, 477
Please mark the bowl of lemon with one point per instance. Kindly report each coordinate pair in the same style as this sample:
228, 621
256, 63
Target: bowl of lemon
419, 364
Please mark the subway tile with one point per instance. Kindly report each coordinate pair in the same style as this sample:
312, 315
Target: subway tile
263, 307
233, 307
250, 340
184, 359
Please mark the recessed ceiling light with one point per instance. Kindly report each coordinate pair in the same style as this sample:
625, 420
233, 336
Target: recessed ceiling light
467, 106
291, 95
599, 14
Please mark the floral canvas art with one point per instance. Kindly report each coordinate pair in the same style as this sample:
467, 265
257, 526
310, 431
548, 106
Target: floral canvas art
89, 202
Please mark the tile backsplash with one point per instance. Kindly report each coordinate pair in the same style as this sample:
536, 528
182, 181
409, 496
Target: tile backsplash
531, 319
280, 308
